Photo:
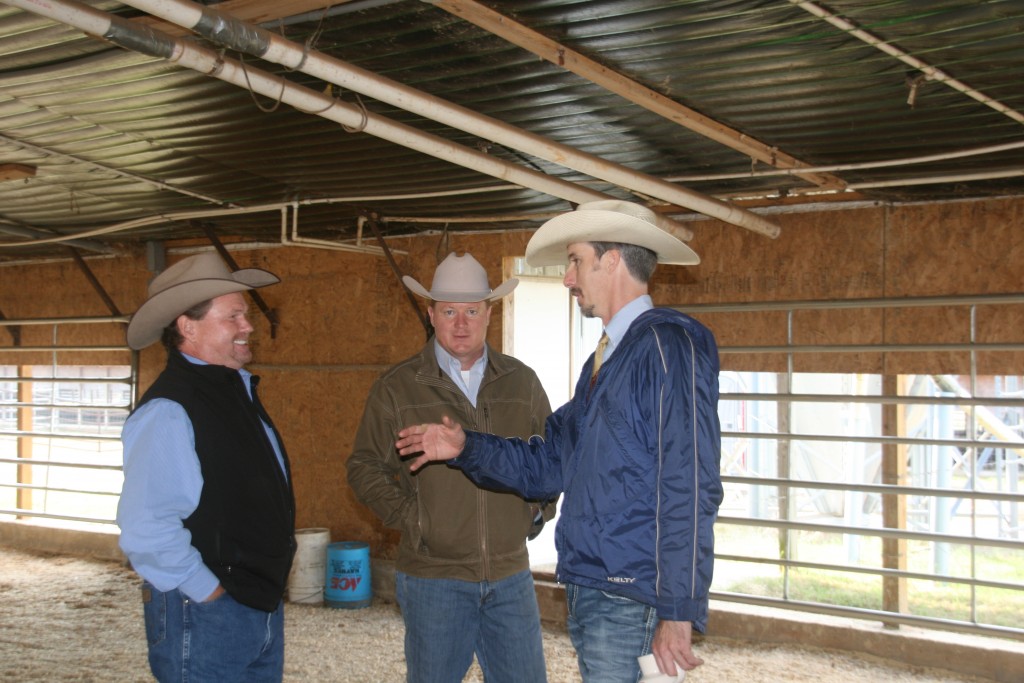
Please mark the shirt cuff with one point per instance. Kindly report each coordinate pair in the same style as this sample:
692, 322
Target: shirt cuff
200, 585
467, 455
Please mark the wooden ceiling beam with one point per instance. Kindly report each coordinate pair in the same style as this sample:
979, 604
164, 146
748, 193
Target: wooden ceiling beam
568, 59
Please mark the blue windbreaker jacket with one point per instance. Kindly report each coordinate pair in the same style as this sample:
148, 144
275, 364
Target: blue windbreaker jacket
637, 457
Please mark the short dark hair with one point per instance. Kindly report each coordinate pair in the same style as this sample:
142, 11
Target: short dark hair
640, 261
171, 337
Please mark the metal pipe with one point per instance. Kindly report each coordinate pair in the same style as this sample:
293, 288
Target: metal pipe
892, 440
883, 489
871, 615
931, 72
56, 349
251, 39
294, 239
4, 322
857, 166
22, 231
187, 54
825, 305
934, 180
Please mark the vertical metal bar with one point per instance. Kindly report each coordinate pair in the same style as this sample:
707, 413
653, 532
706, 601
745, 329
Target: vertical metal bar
973, 456
133, 390
894, 507
789, 549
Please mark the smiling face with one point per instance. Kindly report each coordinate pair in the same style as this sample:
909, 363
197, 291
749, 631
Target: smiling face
221, 337
461, 329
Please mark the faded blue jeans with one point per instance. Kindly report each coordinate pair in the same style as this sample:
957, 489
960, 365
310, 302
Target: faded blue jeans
212, 642
609, 632
447, 621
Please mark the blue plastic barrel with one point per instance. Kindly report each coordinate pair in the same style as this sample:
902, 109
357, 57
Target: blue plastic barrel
348, 584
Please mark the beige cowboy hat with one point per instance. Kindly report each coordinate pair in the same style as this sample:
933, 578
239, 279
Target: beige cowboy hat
460, 279
607, 220
182, 286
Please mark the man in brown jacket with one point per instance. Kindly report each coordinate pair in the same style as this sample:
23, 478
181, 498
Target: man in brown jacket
463, 577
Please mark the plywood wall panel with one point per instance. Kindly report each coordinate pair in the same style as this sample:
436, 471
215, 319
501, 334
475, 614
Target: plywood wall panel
955, 248
828, 255
57, 290
999, 325
345, 317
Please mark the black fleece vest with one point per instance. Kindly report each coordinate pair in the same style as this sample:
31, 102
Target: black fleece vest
244, 526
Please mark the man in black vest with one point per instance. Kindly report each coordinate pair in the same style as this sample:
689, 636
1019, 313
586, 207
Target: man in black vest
207, 513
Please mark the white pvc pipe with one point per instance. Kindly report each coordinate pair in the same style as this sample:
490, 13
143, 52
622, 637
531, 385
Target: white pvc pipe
227, 30
204, 60
928, 70
860, 165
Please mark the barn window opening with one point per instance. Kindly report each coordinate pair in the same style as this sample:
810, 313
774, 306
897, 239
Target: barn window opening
60, 449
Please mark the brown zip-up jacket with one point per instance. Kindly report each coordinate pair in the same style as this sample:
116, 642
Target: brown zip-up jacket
450, 528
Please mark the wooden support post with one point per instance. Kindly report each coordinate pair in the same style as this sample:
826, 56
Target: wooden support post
788, 545
23, 498
894, 507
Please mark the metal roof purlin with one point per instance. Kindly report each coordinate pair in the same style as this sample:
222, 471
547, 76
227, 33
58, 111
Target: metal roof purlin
231, 32
187, 54
582, 66
158, 184
931, 72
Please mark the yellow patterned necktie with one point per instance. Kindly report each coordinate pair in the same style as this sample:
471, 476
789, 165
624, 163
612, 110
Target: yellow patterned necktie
598, 357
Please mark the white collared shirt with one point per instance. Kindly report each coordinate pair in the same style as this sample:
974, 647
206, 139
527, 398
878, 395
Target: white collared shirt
468, 381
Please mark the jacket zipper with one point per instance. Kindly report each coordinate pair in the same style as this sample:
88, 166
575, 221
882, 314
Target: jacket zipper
481, 502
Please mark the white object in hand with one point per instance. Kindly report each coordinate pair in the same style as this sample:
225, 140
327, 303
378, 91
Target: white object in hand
652, 674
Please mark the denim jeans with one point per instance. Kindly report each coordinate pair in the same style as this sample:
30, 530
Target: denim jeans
609, 632
211, 642
447, 621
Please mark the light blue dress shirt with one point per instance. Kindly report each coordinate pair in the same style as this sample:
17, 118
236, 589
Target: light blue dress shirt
162, 485
621, 321
451, 366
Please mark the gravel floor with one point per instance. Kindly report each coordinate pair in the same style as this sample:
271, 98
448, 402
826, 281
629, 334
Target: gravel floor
74, 619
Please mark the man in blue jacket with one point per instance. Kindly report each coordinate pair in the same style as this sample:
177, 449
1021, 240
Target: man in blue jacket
635, 451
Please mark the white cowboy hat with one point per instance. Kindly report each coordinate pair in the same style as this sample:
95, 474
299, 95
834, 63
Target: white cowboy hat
607, 220
460, 279
182, 286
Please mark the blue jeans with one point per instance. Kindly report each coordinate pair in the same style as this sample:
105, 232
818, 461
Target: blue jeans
211, 642
609, 632
447, 621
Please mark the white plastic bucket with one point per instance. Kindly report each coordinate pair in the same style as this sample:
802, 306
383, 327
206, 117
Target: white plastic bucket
306, 579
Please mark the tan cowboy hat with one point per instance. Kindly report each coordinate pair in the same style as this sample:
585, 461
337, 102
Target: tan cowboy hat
460, 279
607, 220
182, 286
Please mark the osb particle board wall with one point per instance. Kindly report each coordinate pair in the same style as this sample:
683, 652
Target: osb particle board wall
344, 317
958, 248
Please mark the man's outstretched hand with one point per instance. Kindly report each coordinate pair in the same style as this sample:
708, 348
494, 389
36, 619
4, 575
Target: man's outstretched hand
435, 441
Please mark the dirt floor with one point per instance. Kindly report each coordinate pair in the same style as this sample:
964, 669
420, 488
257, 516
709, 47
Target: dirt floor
74, 619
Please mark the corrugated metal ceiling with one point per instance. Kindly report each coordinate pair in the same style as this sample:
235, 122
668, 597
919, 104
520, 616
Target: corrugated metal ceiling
109, 136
